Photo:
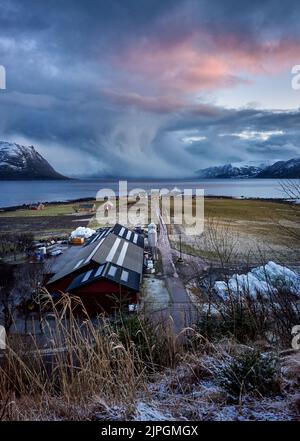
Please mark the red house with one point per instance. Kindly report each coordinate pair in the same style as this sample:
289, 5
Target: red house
105, 273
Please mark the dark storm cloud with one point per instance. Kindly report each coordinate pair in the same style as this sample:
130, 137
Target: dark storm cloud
114, 85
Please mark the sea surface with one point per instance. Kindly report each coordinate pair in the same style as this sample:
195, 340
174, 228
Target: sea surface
14, 193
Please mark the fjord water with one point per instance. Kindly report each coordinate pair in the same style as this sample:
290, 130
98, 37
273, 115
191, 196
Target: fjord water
14, 193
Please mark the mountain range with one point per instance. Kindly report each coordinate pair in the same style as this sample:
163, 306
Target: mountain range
24, 162
279, 170
21, 162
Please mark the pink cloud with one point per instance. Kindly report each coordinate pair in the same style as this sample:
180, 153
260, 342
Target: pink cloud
159, 104
202, 62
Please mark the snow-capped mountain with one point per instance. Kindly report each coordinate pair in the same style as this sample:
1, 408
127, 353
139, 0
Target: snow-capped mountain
282, 170
22, 162
229, 171
278, 170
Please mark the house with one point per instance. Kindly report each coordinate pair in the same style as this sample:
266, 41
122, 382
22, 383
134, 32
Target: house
105, 273
37, 206
87, 208
107, 206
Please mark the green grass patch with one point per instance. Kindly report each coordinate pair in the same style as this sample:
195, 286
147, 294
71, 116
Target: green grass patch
250, 210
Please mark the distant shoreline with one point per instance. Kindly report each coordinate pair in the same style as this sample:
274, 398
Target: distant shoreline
86, 199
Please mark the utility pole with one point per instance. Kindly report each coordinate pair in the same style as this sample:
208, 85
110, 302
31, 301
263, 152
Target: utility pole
180, 259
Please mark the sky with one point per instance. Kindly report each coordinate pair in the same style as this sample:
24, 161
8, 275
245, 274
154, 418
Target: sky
150, 88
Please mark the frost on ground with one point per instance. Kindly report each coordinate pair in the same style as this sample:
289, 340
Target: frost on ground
263, 280
150, 412
191, 392
186, 393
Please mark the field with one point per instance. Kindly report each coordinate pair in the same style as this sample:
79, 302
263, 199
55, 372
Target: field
54, 219
253, 227
266, 220
214, 364
59, 209
260, 225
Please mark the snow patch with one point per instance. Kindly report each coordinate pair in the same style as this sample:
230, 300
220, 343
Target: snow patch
84, 232
148, 412
263, 280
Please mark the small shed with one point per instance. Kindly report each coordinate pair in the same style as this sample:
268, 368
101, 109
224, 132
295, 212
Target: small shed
37, 206
87, 208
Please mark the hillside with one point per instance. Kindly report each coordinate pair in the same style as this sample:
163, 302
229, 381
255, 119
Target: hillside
279, 170
21, 162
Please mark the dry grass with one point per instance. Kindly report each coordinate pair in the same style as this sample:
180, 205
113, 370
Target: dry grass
87, 362
84, 358
104, 371
258, 227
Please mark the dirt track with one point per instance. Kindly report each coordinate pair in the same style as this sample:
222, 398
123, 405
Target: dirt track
181, 309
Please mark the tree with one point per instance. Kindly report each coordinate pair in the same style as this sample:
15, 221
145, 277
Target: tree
291, 191
7, 281
25, 241
15, 243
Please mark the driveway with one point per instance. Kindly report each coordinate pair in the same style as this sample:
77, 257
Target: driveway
181, 309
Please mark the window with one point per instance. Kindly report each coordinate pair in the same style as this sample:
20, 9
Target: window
112, 271
99, 271
78, 263
113, 250
94, 251
87, 276
124, 276
95, 238
122, 254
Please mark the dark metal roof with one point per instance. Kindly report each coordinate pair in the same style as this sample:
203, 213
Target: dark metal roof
129, 235
120, 252
121, 231
109, 271
100, 233
122, 249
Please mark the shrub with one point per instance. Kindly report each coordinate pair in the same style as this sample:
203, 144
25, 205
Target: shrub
249, 372
236, 319
153, 344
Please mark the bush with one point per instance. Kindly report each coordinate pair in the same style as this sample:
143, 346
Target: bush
250, 372
154, 345
236, 319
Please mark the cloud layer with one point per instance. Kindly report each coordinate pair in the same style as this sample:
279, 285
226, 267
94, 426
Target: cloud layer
130, 88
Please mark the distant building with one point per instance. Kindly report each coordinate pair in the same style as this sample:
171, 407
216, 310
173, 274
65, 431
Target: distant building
105, 273
87, 208
37, 206
152, 239
107, 206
